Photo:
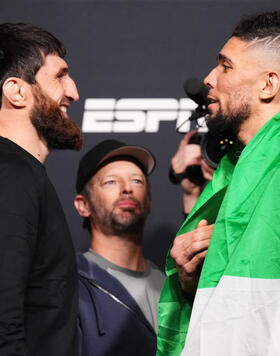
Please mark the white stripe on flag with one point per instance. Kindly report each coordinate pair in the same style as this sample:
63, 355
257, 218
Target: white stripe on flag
240, 317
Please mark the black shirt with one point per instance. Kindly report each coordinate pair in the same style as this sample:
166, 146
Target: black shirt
38, 278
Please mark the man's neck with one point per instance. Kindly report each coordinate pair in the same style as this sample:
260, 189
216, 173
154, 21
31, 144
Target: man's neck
251, 126
18, 128
118, 250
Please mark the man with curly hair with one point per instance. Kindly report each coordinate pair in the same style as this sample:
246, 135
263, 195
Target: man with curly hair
229, 304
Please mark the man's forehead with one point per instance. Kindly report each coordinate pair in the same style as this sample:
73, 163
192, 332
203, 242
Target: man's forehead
252, 54
118, 166
236, 46
54, 63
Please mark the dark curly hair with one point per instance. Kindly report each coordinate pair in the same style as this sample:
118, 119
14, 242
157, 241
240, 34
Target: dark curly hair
261, 26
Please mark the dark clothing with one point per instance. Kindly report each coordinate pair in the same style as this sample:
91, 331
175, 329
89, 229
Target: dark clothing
38, 279
110, 323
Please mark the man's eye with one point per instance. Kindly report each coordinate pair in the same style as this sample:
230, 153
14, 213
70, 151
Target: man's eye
60, 75
109, 182
226, 67
137, 181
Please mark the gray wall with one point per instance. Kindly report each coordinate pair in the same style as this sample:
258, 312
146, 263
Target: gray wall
133, 49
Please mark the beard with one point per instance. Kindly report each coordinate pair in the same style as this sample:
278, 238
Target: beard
52, 124
228, 122
128, 224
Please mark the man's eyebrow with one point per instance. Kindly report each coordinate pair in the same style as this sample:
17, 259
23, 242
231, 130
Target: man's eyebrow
106, 176
63, 71
222, 57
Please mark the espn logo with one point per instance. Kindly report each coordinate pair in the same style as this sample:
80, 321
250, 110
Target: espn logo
137, 115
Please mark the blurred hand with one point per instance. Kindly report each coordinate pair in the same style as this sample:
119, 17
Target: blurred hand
207, 171
187, 154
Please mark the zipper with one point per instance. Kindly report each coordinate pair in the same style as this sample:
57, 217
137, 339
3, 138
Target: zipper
116, 299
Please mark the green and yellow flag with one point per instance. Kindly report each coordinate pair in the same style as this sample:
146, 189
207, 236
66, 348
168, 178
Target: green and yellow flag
236, 311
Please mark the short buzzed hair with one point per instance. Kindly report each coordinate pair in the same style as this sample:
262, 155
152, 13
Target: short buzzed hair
261, 28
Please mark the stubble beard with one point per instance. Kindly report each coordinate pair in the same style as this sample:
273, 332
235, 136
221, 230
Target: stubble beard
228, 122
128, 225
58, 131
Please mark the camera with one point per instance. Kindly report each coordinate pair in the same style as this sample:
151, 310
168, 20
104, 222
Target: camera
212, 151
213, 148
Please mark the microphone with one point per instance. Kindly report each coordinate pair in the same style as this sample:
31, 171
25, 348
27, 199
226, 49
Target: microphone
197, 91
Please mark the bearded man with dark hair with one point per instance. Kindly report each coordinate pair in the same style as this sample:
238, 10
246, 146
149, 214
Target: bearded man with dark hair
229, 303
38, 298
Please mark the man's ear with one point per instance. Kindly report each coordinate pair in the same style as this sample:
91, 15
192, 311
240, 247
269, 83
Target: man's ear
270, 86
82, 206
15, 91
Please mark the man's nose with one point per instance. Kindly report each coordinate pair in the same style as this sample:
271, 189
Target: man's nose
71, 91
210, 80
126, 187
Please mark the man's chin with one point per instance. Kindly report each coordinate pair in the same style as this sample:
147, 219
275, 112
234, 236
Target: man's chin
52, 122
210, 117
212, 114
126, 219
213, 110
